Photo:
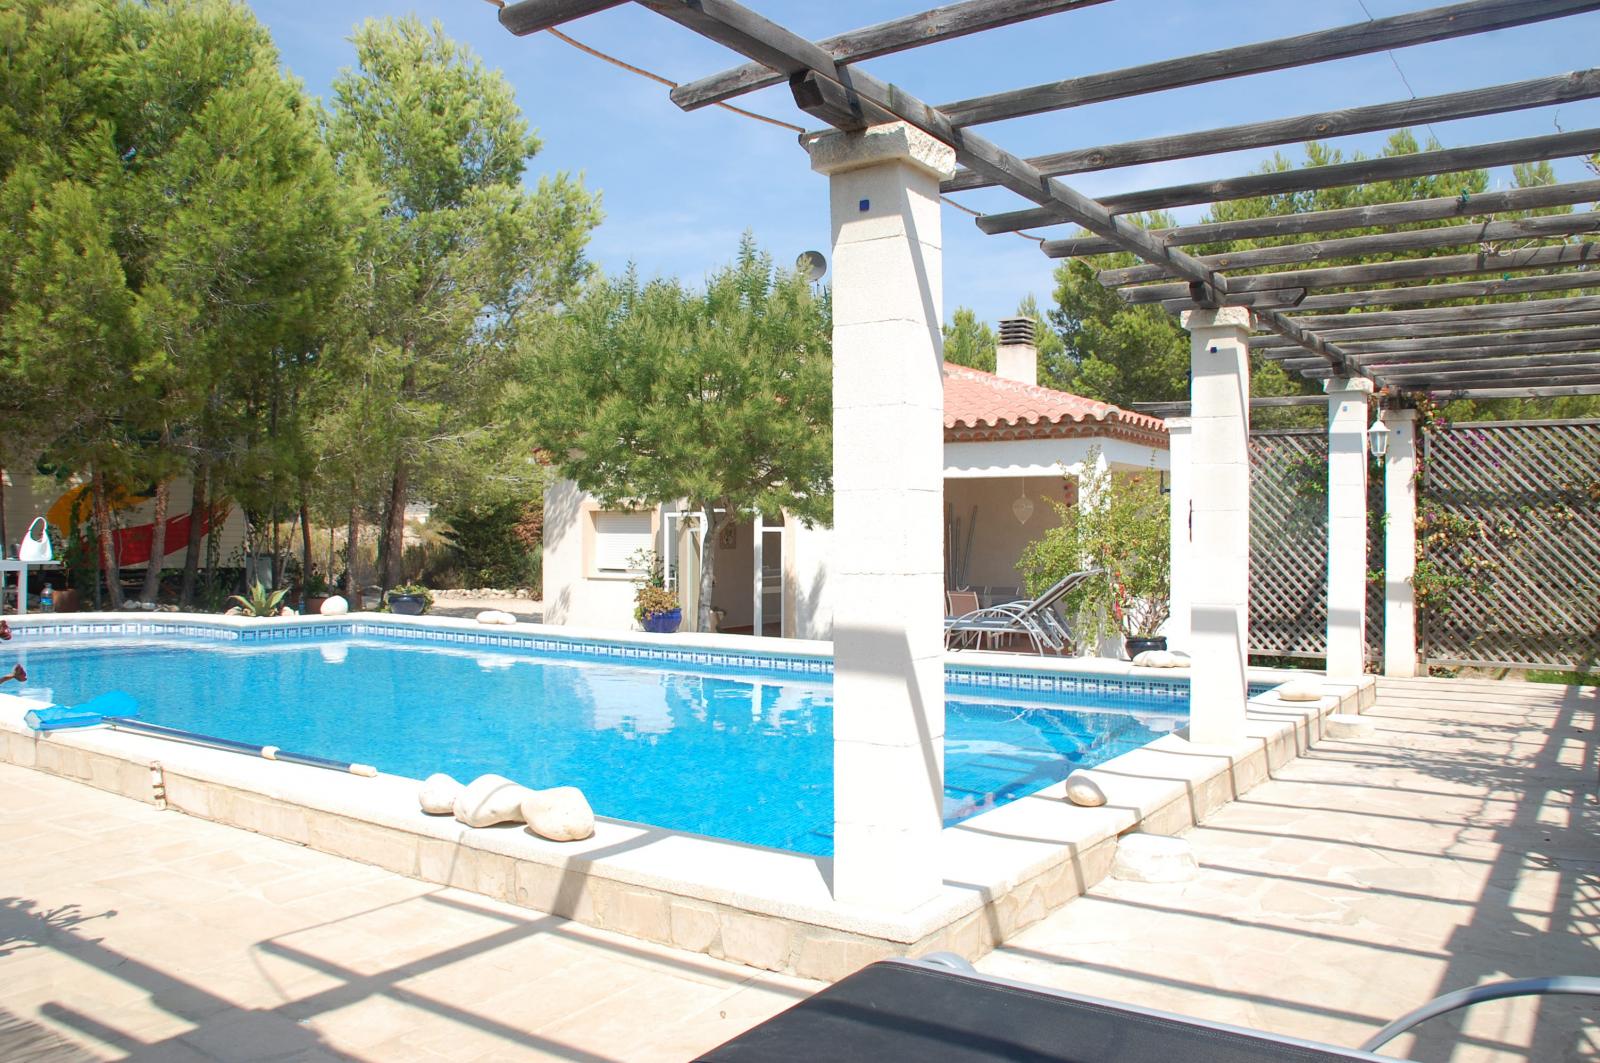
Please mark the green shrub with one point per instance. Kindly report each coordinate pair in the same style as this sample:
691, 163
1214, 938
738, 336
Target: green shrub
495, 545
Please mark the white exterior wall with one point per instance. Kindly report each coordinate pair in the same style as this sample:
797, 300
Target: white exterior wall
572, 593
1347, 526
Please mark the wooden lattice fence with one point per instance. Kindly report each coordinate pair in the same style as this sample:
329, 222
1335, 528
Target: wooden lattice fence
1532, 590
1289, 546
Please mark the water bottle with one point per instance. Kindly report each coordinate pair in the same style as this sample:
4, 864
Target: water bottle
47, 599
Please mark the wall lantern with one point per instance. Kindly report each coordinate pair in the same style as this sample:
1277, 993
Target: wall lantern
1378, 436
1022, 508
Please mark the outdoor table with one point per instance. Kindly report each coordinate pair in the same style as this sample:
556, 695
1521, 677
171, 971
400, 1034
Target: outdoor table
11, 564
926, 1011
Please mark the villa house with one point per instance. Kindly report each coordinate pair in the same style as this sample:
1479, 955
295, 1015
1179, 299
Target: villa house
1009, 446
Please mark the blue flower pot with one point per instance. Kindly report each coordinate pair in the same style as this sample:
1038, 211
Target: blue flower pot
664, 623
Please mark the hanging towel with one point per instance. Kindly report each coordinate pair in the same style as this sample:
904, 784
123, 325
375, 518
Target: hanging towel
92, 712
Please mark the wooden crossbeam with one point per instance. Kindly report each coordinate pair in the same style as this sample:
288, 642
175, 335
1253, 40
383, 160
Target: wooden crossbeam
535, 16
1363, 171
884, 38
1542, 392
1379, 272
1381, 215
782, 50
1411, 296
1569, 361
1380, 244
1537, 92
1399, 31
1522, 308
1375, 361
1589, 374
1457, 327
1180, 408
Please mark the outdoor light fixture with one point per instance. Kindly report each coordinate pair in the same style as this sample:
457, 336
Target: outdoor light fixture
1378, 436
1022, 508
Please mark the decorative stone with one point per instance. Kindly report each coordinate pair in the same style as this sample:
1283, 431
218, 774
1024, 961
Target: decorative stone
1347, 725
1083, 790
1153, 858
286, 611
490, 799
1161, 659
496, 616
334, 606
1301, 690
233, 611
561, 813
438, 794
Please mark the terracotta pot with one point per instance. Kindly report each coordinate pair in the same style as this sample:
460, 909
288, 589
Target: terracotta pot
312, 606
66, 600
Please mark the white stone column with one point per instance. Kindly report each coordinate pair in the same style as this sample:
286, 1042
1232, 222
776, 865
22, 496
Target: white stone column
1219, 602
1180, 497
1400, 545
888, 471
1347, 525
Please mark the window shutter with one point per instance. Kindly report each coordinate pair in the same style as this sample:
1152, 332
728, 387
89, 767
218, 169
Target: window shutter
616, 537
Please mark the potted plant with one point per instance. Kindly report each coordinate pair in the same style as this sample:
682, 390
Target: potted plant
409, 599
313, 592
654, 607
1119, 525
259, 601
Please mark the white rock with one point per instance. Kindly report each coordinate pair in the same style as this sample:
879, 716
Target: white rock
1347, 725
496, 616
233, 611
490, 799
1153, 858
1161, 659
334, 606
1301, 690
560, 813
1083, 790
286, 611
438, 794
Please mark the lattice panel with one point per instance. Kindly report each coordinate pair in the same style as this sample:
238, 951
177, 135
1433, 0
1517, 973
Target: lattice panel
1534, 487
1288, 543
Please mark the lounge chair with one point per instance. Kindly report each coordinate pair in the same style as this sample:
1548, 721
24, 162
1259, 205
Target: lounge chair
1035, 619
939, 1010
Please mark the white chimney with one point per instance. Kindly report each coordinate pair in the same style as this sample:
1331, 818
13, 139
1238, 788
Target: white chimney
1016, 358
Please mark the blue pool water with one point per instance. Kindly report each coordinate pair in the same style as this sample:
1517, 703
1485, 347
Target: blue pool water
736, 756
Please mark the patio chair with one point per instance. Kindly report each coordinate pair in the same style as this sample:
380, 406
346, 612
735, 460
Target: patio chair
939, 1010
1035, 619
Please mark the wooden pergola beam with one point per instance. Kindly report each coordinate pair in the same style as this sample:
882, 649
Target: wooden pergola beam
1363, 171
1376, 361
1522, 308
884, 38
1541, 392
1180, 408
1399, 31
1379, 215
1379, 272
1537, 92
1413, 295
1379, 244
1576, 375
1542, 323
535, 16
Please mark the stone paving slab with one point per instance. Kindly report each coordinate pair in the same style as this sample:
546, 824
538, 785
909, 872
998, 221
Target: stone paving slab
131, 933
1456, 846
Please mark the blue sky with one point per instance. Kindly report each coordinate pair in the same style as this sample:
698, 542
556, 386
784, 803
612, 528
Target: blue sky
678, 188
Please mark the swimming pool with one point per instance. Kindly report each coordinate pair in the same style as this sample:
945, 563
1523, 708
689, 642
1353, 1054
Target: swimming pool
726, 745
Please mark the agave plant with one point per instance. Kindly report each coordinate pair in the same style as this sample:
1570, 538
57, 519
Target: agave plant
260, 601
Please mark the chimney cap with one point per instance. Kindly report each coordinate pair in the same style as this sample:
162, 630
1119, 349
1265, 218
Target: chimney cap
1016, 330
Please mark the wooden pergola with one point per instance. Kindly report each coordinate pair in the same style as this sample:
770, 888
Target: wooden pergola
1412, 314
1539, 347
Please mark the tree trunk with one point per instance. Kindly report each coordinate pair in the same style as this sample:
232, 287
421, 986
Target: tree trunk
108, 552
395, 530
305, 542
158, 542
4, 538
708, 567
191, 555
351, 583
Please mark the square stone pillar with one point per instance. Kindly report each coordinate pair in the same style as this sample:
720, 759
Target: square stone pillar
1219, 595
1347, 525
1400, 545
888, 474
1180, 497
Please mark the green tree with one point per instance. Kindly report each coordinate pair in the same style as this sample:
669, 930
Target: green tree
968, 341
457, 258
173, 221
648, 393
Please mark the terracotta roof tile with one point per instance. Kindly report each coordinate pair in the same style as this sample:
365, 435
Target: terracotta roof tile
975, 400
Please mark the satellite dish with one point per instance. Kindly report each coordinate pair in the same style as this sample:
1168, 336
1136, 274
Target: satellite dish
811, 264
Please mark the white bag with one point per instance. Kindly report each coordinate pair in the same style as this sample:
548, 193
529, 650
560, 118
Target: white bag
33, 549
